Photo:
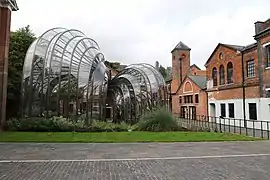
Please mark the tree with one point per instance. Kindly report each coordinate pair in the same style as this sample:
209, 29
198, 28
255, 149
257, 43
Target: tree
163, 72
20, 41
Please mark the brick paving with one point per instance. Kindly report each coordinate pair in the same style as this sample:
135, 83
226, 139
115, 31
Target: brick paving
189, 161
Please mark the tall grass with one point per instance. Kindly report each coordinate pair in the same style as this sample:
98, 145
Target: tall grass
159, 119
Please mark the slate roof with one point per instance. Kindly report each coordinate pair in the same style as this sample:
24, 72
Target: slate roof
199, 80
195, 66
236, 47
250, 46
181, 46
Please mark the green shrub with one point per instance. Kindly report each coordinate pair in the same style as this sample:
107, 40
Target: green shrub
101, 126
40, 124
61, 124
159, 119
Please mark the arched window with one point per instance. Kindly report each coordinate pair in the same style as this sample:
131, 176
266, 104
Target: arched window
229, 73
214, 76
221, 75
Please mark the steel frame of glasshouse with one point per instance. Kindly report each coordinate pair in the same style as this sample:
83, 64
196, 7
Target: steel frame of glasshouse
64, 75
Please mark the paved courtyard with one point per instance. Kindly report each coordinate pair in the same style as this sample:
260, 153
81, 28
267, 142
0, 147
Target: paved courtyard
180, 161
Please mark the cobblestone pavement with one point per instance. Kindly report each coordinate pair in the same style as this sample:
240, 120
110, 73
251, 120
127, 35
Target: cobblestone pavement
179, 161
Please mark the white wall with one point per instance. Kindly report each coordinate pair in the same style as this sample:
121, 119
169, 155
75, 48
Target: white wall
263, 108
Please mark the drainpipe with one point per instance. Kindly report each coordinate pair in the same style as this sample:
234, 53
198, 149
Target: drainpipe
243, 88
207, 105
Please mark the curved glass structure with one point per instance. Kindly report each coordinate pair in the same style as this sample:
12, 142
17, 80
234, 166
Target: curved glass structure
64, 74
136, 89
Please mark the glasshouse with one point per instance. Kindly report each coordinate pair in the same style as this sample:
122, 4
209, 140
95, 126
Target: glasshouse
64, 74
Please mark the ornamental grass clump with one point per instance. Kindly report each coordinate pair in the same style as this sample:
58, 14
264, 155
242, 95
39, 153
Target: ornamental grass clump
159, 119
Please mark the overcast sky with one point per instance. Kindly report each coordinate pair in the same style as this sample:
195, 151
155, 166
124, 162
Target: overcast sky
132, 31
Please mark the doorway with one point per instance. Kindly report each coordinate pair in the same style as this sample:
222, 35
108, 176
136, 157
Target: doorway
192, 112
212, 109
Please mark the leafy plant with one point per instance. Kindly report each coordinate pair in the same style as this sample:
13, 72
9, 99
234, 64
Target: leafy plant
159, 119
20, 41
61, 124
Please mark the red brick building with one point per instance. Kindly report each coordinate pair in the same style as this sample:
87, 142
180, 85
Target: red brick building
238, 78
192, 96
188, 84
5, 18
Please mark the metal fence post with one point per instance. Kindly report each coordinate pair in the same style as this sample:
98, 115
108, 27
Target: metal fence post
224, 128
246, 127
261, 130
254, 135
234, 125
220, 125
267, 130
240, 122
229, 125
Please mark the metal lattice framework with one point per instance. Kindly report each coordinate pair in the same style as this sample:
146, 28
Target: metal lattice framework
64, 74
136, 89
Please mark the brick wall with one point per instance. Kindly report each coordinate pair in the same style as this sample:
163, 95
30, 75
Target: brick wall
249, 55
229, 55
188, 87
5, 16
195, 71
234, 90
176, 67
237, 93
265, 71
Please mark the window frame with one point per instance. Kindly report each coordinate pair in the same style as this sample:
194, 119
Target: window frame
267, 56
250, 69
251, 115
220, 55
180, 100
214, 76
197, 101
267, 93
229, 73
221, 75
223, 111
231, 110
188, 99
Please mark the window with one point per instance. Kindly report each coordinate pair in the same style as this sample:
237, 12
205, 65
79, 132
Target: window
180, 99
268, 93
220, 56
196, 98
229, 73
214, 76
223, 110
231, 110
221, 75
250, 68
252, 111
188, 99
267, 56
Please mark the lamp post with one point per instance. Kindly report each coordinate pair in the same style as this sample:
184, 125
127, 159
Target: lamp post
6, 6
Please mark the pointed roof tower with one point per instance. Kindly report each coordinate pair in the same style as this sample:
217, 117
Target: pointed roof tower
181, 46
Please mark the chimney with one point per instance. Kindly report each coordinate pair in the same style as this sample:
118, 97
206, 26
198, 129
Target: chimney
157, 65
258, 27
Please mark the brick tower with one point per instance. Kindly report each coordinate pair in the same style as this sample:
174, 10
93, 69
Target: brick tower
6, 6
180, 64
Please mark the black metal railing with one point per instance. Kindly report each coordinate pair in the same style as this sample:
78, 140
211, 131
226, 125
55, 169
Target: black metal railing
254, 128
